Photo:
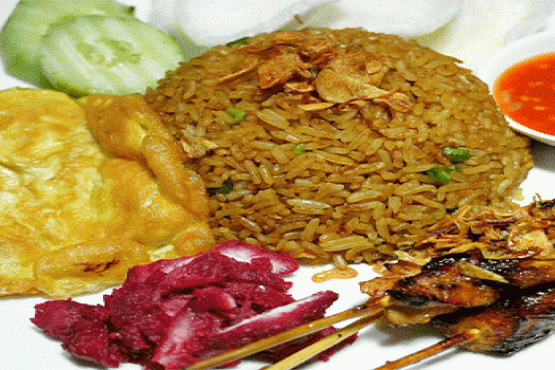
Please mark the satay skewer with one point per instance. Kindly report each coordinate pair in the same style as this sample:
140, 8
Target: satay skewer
371, 310
335, 338
323, 344
457, 340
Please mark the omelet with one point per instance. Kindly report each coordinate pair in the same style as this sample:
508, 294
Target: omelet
88, 189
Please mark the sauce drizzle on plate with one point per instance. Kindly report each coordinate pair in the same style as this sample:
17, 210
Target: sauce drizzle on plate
525, 92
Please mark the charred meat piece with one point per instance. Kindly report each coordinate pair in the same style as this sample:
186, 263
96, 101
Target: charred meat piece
444, 280
449, 283
523, 273
439, 288
506, 327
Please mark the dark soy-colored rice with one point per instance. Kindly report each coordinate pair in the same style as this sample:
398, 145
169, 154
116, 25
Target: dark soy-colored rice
359, 192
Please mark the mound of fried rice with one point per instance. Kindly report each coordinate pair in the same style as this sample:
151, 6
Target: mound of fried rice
319, 142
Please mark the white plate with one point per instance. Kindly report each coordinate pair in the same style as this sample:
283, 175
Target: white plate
24, 347
512, 54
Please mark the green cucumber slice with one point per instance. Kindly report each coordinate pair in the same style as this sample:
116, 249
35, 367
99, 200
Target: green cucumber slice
21, 35
99, 54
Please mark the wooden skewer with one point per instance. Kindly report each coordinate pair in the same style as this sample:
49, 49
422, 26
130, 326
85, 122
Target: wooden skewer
371, 307
316, 348
445, 344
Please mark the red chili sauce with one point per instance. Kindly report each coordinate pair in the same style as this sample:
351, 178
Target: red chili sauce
526, 93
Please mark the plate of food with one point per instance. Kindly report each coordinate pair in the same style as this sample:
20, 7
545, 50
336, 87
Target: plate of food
265, 184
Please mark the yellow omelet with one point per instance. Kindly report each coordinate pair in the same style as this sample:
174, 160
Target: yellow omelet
88, 189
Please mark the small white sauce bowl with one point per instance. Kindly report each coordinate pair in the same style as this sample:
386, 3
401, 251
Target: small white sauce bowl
511, 54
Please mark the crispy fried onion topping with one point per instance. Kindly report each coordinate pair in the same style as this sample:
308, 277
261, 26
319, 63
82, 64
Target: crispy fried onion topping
281, 68
332, 77
498, 232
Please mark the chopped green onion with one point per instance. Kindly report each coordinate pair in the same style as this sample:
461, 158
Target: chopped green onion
236, 113
454, 167
457, 155
440, 175
443, 174
299, 149
241, 41
226, 188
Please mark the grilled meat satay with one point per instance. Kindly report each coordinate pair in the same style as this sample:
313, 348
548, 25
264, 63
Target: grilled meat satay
449, 283
507, 326
519, 312
438, 288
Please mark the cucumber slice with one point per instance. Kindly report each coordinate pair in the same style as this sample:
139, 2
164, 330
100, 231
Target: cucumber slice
99, 54
21, 35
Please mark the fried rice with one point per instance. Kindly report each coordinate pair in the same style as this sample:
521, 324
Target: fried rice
324, 143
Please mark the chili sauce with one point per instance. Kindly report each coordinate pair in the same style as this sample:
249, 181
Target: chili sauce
526, 93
